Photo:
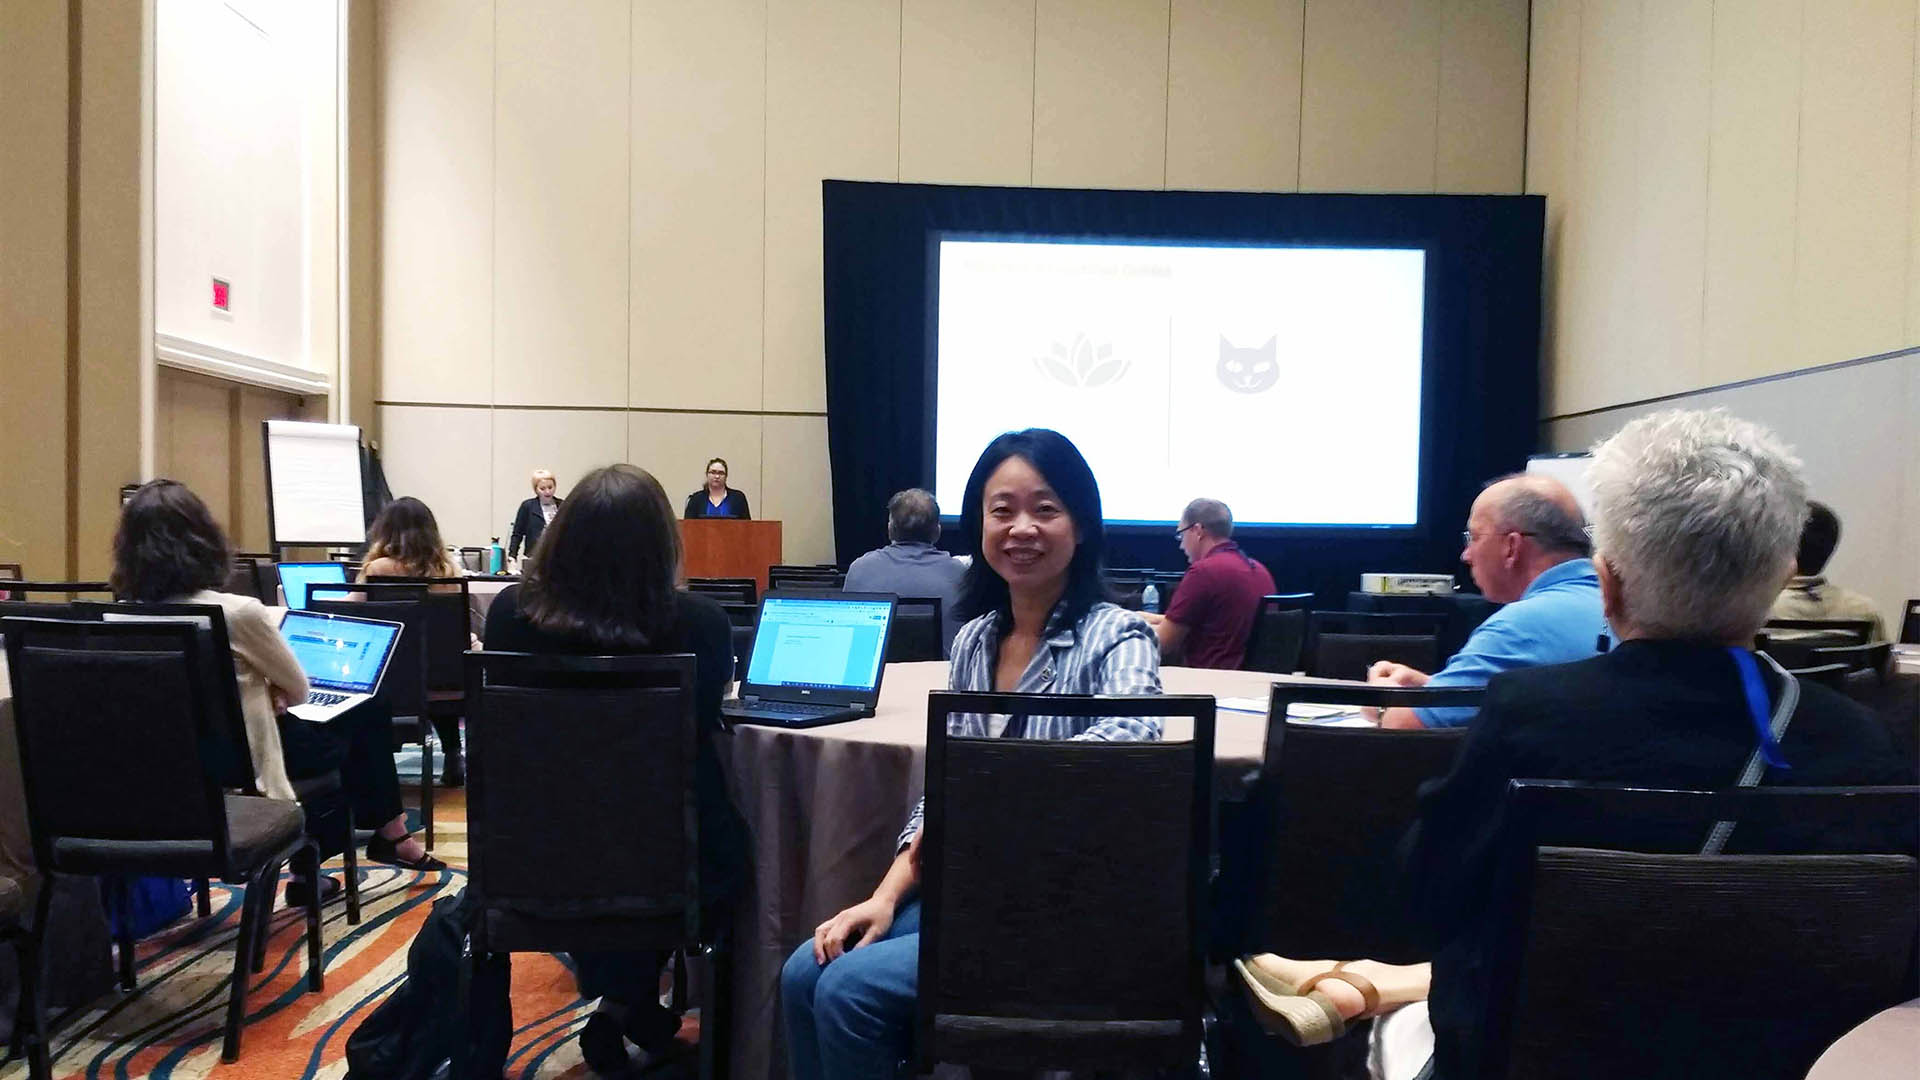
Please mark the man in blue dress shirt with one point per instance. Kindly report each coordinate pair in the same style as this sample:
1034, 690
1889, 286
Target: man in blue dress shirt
1526, 543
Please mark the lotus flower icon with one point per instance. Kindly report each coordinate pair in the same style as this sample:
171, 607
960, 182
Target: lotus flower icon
1082, 363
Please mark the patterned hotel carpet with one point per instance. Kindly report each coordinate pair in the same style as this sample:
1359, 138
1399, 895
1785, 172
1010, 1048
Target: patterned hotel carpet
169, 1028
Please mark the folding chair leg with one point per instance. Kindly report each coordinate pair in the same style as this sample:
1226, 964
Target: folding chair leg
316, 973
203, 893
263, 926
243, 947
716, 1013
123, 929
427, 741
351, 860
32, 1013
680, 980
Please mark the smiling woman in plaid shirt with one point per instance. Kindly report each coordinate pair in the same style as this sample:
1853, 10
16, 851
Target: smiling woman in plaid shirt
1040, 624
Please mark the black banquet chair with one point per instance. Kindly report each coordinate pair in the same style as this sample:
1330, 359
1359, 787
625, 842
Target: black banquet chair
111, 721
1343, 644
555, 741
1672, 966
916, 630
1279, 633
1106, 973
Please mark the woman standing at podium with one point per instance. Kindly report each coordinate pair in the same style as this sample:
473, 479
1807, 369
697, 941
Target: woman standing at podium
716, 499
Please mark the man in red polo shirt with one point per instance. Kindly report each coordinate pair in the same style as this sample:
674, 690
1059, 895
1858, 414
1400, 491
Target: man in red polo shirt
1214, 607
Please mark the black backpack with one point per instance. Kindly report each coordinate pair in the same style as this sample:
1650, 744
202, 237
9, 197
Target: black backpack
417, 1030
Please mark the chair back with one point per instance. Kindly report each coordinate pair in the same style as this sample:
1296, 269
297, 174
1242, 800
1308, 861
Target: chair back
226, 754
1309, 865
806, 577
1909, 623
1279, 633
743, 619
726, 590
449, 606
1343, 644
22, 590
1819, 631
1661, 965
111, 719
10, 571
404, 687
557, 741
1094, 961
1797, 655
916, 630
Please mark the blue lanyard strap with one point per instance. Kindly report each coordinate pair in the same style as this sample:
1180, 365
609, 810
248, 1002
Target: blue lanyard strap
1757, 709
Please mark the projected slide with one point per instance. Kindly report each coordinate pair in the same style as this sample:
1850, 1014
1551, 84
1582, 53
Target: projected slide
1285, 381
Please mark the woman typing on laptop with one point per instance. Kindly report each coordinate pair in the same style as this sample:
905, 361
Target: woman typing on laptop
602, 582
168, 549
1040, 624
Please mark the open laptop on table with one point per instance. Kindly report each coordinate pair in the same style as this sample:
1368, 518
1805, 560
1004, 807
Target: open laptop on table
344, 657
297, 577
817, 659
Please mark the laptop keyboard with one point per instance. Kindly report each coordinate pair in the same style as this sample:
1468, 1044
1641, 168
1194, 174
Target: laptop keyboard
794, 708
325, 697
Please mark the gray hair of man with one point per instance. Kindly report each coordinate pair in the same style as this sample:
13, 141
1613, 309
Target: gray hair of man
1525, 508
1697, 516
1211, 515
913, 517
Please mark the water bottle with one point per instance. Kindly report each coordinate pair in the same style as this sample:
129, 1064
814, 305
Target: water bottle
1150, 598
496, 558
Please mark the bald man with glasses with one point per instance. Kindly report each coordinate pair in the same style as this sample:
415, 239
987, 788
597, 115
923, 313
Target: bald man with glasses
1527, 546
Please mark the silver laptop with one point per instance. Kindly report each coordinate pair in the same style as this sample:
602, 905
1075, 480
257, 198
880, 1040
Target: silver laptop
817, 659
344, 658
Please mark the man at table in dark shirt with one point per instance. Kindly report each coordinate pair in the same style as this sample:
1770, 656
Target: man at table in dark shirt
1214, 607
910, 565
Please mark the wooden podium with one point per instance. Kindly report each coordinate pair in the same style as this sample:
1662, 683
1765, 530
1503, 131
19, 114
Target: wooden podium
726, 547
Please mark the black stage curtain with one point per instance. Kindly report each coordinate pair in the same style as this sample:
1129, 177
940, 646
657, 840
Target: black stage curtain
1481, 382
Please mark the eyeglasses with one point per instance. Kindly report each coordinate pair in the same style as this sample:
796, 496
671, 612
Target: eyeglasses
1182, 530
1467, 538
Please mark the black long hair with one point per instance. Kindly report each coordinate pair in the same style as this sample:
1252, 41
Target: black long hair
605, 568
167, 545
1055, 457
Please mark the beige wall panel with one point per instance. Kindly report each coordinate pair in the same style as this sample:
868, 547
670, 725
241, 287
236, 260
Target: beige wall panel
1233, 95
194, 439
254, 405
33, 276
675, 447
1553, 83
1667, 268
698, 197
1368, 111
966, 92
1751, 189
833, 111
1596, 315
566, 442
799, 487
1855, 140
435, 123
1100, 93
560, 268
444, 458
1912, 335
1481, 135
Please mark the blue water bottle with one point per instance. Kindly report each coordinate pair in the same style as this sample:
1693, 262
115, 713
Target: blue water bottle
1150, 598
496, 558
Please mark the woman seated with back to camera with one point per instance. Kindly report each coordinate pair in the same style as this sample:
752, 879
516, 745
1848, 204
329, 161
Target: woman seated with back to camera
168, 549
1697, 518
404, 541
1040, 624
602, 582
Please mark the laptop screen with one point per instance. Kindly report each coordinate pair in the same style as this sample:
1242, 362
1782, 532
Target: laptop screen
826, 643
295, 577
337, 652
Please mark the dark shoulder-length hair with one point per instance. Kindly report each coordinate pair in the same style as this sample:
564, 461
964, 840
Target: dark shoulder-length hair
605, 568
1056, 458
406, 532
167, 545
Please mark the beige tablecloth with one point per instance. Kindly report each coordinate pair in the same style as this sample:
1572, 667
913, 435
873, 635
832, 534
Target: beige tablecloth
826, 804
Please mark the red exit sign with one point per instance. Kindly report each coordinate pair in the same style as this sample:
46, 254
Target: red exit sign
222, 295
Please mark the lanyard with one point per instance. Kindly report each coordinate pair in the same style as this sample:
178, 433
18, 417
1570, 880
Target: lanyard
1757, 711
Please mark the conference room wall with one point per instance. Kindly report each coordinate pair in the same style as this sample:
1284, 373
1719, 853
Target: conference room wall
70, 325
208, 438
616, 205
1732, 190
1853, 425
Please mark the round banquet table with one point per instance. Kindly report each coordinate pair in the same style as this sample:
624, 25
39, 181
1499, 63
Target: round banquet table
825, 806
1885, 1047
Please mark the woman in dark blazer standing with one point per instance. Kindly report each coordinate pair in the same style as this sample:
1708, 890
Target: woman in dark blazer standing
716, 499
534, 514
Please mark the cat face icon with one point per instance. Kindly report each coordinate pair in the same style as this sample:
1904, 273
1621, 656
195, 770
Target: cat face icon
1248, 371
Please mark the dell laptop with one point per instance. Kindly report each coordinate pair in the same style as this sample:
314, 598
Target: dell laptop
817, 659
297, 577
344, 658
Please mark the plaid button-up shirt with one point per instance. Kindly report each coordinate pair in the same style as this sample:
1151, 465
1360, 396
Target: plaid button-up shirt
1109, 651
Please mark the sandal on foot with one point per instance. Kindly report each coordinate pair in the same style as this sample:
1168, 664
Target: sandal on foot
1300, 1014
382, 850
